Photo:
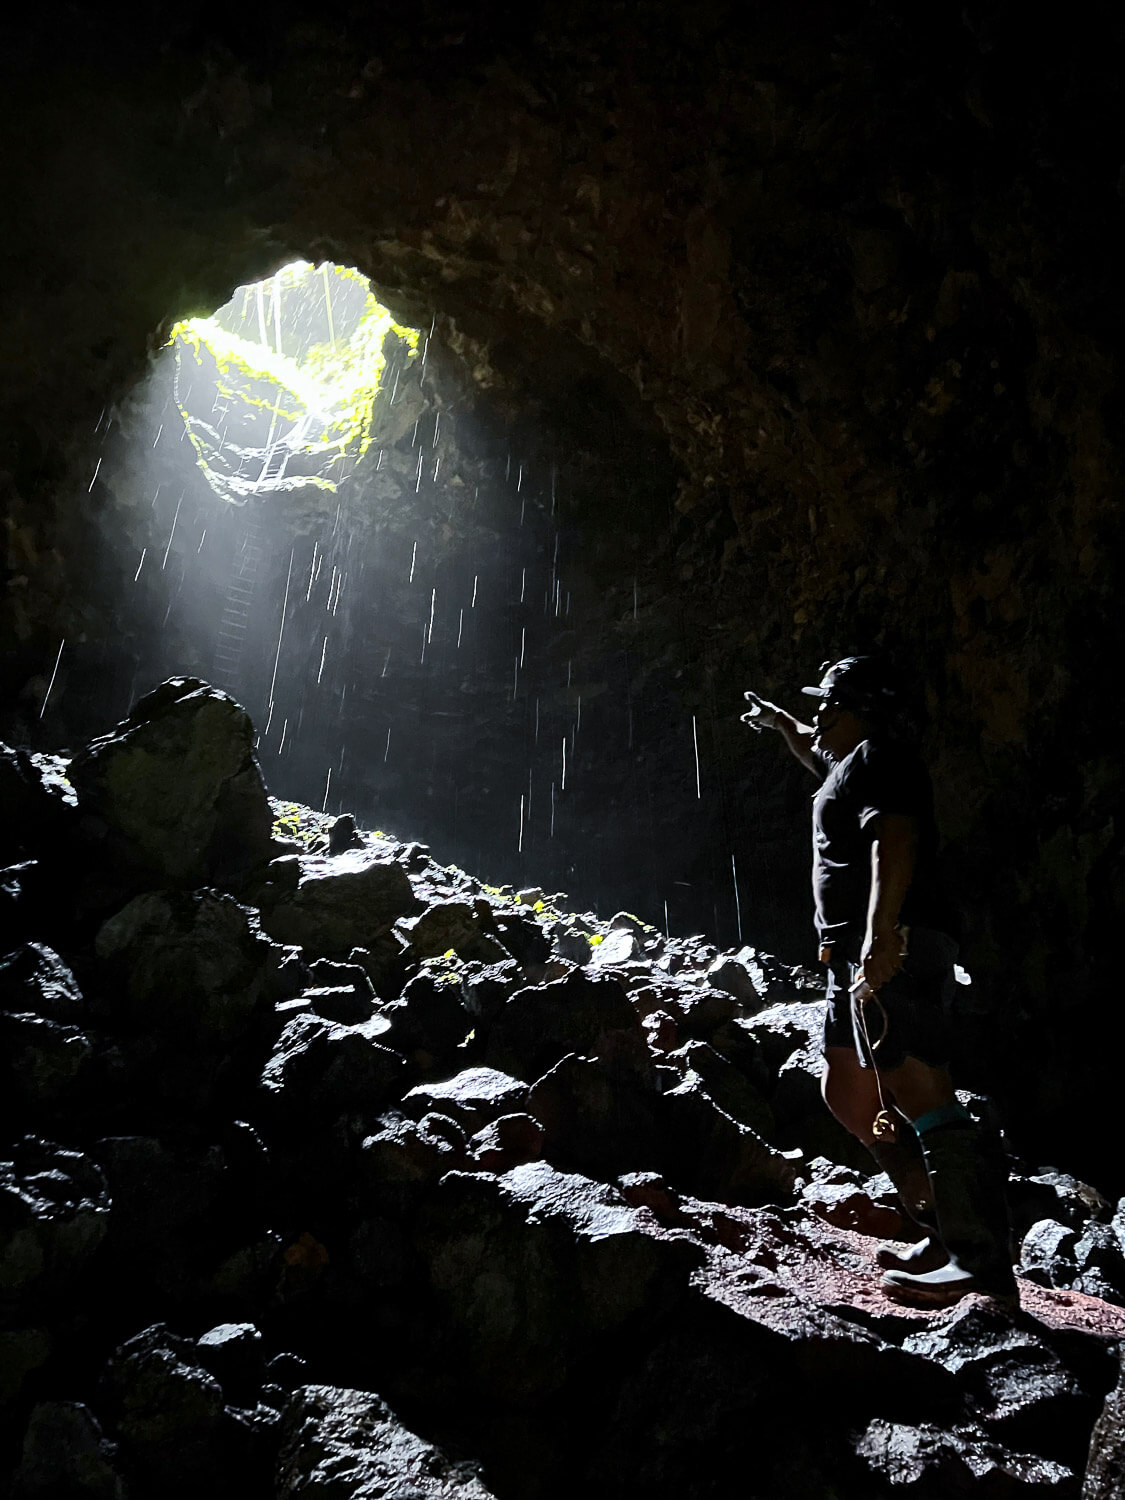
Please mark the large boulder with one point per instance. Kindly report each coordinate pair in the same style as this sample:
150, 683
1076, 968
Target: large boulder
321, 1068
193, 967
596, 1120
932, 1462
538, 1026
167, 1410
65, 1453
533, 1268
350, 1444
1105, 1470
341, 902
34, 978
474, 1097
173, 794
54, 1212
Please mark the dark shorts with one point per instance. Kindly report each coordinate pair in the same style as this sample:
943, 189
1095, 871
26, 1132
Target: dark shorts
911, 1016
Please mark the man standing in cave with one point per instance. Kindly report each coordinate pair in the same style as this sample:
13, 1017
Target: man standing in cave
888, 938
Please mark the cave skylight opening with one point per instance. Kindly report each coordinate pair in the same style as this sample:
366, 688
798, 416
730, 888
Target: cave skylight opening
276, 389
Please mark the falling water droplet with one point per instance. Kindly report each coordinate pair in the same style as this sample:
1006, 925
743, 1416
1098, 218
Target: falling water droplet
140, 565
413, 557
737, 903
171, 534
387, 751
460, 625
97, 466
433, 603
327, 784
520, 846
695, 742
323, 653
473, 605
54, 674
523, 583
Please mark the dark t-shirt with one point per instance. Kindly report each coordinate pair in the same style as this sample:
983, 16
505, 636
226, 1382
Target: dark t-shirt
879, 776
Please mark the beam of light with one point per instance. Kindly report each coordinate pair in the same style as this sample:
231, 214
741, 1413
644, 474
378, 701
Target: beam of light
54, 674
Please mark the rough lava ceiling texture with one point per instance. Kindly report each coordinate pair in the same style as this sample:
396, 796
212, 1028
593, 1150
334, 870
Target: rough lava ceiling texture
853, 278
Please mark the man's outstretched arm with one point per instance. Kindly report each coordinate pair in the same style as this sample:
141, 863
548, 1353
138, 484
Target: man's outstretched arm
797, 736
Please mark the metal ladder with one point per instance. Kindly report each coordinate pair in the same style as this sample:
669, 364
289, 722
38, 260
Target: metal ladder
235, 618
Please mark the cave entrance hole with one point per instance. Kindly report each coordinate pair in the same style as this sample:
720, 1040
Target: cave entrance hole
276, 388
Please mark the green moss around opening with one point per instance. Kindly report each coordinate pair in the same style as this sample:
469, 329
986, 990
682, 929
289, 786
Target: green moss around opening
276, 389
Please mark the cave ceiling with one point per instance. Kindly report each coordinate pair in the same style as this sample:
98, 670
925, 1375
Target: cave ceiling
844, 287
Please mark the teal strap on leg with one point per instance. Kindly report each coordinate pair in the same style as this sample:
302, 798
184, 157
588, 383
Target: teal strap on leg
953, 1113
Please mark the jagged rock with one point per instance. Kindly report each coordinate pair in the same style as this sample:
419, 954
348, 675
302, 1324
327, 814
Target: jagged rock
429, 1014
701, 1012
842, 1197
1047, 1253
38, 805
617, 947
337, 1002
232, 1352
1050, 1194
486, 987
346, 902
41, 1062
414, 1151
1105, 1469
173, 794
1019, 1389
474, 1097
571, 942
450, 926
717, 1157
936, 1463
742, 976
780, 1030
507, 1142
531, 1267
167, 1409
34, 978
595, 1120
65, 1454
661, 1032
193, 967
730, 1089
327, 1068
54, 1212
1100, 1264
540, 1025
349, 1444
522, 936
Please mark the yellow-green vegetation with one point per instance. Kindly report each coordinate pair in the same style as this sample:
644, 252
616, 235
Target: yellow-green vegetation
293, 821
596, 938
329, 386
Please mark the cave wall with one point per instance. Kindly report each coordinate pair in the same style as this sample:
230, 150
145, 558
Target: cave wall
846, 287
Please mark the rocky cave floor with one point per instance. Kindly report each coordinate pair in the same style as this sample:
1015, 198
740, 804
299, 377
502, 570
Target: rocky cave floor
334, 1171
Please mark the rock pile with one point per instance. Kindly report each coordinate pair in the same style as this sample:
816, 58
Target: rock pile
314, 1145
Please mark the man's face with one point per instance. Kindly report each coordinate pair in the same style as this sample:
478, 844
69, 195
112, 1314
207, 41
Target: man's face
836, 731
